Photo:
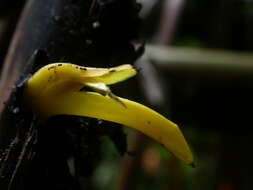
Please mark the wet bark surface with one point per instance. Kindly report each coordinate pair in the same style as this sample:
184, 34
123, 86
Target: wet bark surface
36, 154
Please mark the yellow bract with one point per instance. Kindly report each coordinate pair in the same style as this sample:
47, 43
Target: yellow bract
55, 90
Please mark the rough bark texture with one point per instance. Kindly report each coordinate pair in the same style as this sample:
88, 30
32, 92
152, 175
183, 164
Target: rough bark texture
85, 32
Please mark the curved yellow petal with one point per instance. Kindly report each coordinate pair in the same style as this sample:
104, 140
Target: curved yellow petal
61, 77
54, 90
72, 73
134, 115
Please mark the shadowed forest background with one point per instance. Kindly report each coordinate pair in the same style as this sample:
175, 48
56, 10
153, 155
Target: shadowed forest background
197, 70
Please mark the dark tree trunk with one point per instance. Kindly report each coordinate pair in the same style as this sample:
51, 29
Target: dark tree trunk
85, 32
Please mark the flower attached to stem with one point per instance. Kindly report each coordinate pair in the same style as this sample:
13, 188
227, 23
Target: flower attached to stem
55, 89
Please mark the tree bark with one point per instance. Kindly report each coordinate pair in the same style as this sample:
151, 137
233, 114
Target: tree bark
85, 32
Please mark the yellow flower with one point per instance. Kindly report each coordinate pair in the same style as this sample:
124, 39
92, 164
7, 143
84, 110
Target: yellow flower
55, 90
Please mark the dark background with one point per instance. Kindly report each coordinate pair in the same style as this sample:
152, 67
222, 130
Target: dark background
212, 107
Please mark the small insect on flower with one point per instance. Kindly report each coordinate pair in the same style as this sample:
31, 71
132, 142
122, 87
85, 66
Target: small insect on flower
61, 95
